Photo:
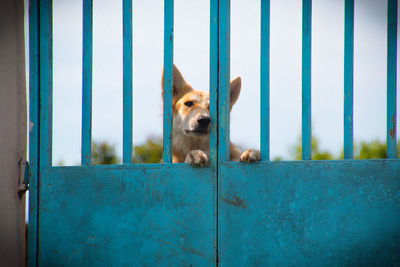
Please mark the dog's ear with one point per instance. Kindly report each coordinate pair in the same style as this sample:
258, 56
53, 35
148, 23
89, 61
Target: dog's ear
236, 85
179, 85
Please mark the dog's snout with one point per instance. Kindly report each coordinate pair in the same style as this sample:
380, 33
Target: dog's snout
204, 121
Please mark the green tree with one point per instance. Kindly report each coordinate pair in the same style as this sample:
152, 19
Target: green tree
149, 152
374, 149
104, 153
316, 153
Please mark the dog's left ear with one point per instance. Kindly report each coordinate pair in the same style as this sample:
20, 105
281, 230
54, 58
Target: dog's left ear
180, 87
236, 85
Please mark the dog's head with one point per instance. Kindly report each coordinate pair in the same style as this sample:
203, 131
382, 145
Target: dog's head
190, 107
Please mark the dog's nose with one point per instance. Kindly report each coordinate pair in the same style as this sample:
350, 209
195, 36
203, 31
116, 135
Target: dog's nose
204, 122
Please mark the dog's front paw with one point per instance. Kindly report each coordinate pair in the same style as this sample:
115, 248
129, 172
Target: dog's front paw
196, 158
250, 155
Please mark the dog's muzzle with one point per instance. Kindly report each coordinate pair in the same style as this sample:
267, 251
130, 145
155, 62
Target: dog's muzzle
201, 126
204, 123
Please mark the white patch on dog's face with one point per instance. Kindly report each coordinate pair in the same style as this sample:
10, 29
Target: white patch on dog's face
191, 114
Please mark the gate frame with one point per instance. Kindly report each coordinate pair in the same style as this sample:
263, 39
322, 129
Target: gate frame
40, 145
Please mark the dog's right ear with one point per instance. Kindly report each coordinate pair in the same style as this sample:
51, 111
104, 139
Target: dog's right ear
179, 85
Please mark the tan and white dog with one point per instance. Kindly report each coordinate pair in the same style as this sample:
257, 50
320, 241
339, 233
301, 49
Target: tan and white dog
191, 124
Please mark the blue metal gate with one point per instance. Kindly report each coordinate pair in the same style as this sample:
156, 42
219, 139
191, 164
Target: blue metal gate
344, 212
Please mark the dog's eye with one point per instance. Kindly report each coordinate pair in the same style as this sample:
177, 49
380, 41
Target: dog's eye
189, 103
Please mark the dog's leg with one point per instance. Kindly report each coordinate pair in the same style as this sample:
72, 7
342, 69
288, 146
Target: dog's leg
250, 155
197, 158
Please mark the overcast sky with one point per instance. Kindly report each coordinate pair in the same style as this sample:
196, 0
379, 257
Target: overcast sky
191, 55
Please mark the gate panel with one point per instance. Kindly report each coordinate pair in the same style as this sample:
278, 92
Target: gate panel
121, 215
325, 213
309, 213
127, 215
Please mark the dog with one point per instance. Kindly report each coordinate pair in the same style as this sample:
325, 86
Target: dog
191, 123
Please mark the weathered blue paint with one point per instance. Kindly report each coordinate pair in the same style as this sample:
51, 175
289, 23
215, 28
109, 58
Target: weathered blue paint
319, 213
391, 78
348, 79
264, 83
33, 130
127, 215
230, 214
213, 82
306, 81
45, 81
223, 95
168, 79
127, 82
213, 106
87, 81
224, 28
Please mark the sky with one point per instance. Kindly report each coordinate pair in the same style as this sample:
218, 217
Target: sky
191, 55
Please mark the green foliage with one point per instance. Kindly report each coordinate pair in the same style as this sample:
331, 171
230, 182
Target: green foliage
103, 153
277, 158
374, 149
149, 152
371, 150
316, 154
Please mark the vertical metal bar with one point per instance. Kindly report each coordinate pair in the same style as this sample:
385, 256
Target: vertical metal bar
213, 81
223, 82
87, 41
127, 81
168, 79
391, 79
214, 113
46, 81
348, 79
306, 81
264, 86
33, 131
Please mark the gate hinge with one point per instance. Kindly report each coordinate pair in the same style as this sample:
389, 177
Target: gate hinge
24, 186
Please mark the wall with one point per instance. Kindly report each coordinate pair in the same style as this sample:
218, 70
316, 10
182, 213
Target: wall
12, 132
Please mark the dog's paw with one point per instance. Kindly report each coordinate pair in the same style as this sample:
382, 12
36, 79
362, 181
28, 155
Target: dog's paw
250, 155
197, 158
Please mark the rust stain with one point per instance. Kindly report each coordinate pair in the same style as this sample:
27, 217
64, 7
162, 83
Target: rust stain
193, 251
236, 202
391, 132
